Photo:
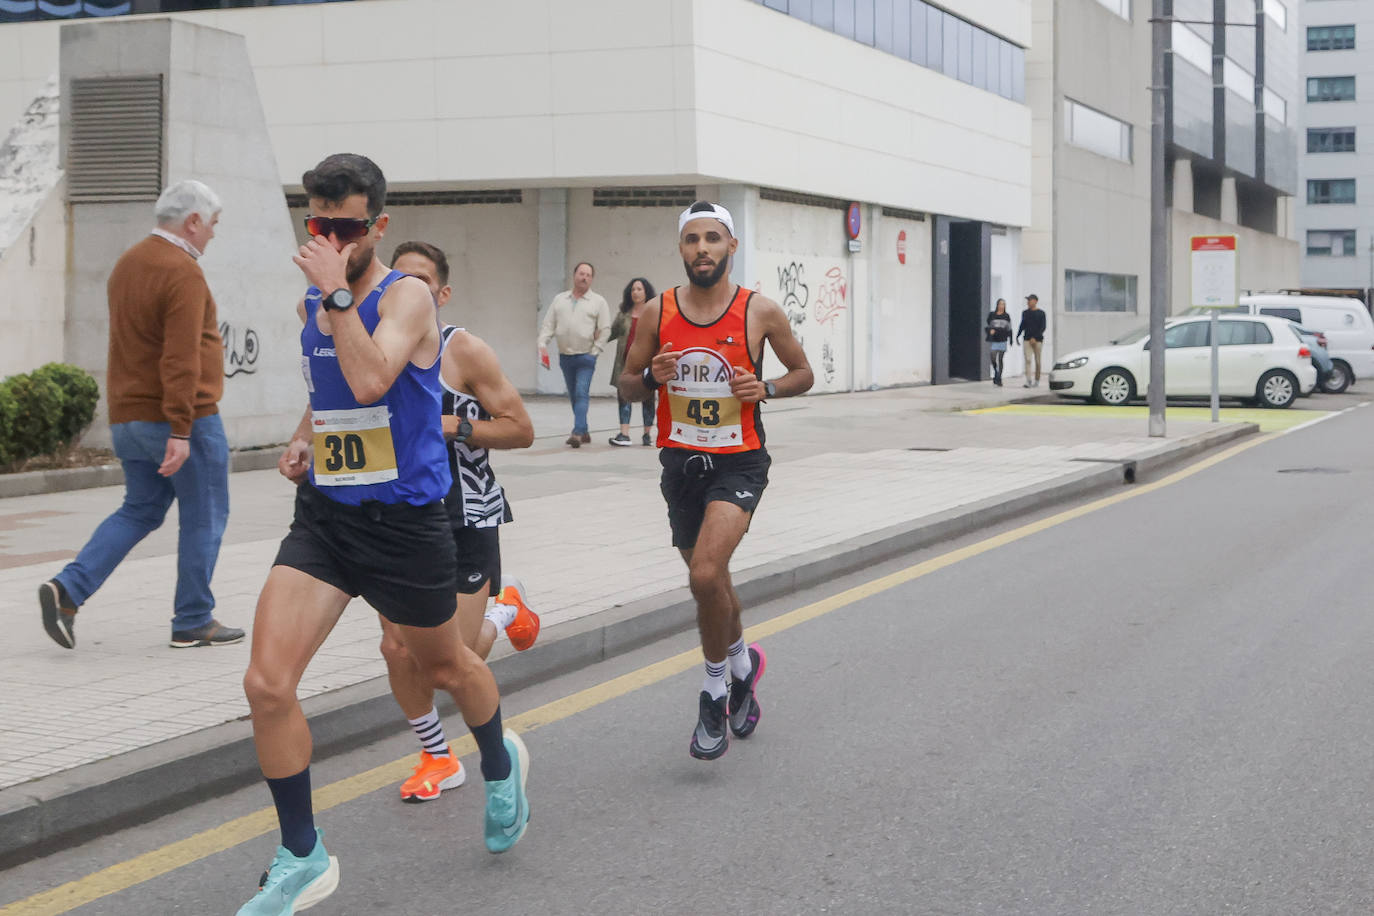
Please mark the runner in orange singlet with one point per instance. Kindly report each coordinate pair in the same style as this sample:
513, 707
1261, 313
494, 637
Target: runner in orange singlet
703, 345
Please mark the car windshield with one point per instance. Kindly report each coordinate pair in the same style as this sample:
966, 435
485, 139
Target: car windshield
1137, 335
1220, 310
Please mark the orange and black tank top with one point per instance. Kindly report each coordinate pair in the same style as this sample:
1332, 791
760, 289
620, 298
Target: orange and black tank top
696, 409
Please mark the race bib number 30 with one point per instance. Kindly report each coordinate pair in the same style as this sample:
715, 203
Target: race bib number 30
705, 413
353, 447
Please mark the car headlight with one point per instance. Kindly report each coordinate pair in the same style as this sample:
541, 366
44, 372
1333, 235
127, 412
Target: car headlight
1078, 363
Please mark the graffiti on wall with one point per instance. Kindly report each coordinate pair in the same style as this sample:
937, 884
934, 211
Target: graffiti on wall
815, 296
793, 295
831, 296
241, 350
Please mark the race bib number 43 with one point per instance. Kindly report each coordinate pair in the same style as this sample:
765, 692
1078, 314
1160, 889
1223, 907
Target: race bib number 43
705, 412
353, 447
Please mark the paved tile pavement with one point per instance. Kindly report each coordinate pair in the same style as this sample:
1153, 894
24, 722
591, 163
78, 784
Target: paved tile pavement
590, 533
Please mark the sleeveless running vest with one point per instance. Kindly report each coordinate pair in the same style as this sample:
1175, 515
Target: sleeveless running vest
483, 501
391, 451
697, 410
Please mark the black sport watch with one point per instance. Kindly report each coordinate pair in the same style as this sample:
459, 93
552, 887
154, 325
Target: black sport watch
769, 390
338, 300
464, 431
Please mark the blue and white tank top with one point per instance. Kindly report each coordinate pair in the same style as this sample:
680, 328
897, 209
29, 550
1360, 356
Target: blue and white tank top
391, 451
475, 489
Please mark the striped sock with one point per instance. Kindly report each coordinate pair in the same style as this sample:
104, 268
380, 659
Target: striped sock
740, 662
714, 684
430, 731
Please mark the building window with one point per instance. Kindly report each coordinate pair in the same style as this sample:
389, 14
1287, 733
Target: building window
1276, 11
1093, 292
1095, 131
1331, 139
1121, 7
1274, 105
1336, 243
1331, 191
1238, 80
1192, 47
1331, 89
1330, 37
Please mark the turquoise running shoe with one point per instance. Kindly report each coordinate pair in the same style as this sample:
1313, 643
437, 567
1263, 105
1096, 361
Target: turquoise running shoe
508, 810
291, 885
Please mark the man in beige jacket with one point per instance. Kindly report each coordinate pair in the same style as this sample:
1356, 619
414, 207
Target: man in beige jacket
580, 321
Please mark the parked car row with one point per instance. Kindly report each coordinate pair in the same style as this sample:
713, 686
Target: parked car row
1272, 349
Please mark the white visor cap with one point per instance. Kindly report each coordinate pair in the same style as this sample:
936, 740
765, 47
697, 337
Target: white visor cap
717, 212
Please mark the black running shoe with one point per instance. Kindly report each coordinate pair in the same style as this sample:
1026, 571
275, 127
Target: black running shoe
709, 739
744, 707
59, 613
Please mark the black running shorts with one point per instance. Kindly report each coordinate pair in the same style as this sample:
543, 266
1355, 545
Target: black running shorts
479, 559
692, 479
399, 558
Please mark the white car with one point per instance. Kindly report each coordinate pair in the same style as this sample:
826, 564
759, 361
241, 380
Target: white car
1260, 358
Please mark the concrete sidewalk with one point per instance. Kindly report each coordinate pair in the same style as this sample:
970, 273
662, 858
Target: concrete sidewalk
124, 727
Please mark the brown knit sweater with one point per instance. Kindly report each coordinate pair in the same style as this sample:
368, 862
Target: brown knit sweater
166, 357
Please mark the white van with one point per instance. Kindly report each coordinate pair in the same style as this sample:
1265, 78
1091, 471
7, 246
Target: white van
1346, 323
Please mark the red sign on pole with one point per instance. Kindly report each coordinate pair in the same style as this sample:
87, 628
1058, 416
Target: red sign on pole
901, 247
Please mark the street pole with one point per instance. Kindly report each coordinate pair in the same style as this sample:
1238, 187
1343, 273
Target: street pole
1159, 228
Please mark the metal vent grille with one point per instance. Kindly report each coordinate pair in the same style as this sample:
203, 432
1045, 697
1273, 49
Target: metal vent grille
806, 200
115, 151
433, 198
644, 197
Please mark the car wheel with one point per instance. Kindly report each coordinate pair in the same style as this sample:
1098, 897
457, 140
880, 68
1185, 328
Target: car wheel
1113, 387
1337, 380
1277, 388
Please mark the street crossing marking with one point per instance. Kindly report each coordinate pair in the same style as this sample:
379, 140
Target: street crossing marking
124, 875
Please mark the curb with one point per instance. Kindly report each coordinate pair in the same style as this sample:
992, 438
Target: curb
55, 812
36, 483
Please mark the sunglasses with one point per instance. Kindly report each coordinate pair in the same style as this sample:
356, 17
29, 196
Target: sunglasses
345, 229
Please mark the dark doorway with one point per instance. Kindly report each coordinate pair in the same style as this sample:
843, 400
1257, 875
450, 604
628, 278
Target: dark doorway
963, 278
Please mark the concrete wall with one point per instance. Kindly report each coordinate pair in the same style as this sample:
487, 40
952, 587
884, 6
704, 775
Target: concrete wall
215, 133
541, 93
899, 337
33, 291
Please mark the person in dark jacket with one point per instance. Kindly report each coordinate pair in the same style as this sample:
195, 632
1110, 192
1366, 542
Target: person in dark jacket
1033, 330
998, 333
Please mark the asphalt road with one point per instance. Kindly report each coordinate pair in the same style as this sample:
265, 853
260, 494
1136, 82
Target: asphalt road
1156, 705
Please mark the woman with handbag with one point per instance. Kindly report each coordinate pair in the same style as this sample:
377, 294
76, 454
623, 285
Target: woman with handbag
637, 292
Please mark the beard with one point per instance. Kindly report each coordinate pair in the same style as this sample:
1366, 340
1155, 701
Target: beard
709, 280
358, 263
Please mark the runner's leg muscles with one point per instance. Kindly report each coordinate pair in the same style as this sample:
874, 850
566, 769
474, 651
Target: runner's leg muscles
708, 574
412, 690
450, 665
295, 613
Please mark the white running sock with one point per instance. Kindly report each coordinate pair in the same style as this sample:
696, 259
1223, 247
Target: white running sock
430, 731
714, 683
740, 662
501, 614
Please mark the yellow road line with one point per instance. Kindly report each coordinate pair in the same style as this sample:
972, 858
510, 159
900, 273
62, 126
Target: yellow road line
1268, 420
124, 875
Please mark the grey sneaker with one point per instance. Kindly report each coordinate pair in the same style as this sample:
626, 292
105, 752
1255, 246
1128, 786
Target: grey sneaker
744, 706
213, 633
709, 739
620, 439
59, 613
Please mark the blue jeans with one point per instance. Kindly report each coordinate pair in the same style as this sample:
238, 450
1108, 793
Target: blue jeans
646, 410
577, 374
201, 486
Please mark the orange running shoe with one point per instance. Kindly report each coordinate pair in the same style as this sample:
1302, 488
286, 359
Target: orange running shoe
524, 629
433, 776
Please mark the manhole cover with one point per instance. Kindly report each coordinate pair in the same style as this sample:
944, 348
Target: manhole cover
1313, 471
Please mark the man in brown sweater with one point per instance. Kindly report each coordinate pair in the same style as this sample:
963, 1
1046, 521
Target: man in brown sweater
164, 382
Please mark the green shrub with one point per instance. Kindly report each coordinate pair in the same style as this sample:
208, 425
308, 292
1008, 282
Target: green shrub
44, 411
80, 394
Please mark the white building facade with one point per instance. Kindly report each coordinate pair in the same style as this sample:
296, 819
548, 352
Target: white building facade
526, 135
1336, 215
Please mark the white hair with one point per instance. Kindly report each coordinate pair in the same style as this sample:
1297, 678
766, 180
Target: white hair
175, 205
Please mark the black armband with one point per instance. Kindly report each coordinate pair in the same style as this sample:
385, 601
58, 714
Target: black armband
647, 378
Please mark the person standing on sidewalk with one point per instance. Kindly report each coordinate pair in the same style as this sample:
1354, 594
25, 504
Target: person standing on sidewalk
704, 343
369, 521
637, 294
163, 385
481, 411
998, 333
1033, 330
580, 321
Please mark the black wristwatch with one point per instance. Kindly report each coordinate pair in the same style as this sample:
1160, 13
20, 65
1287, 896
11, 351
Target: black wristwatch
769, 390
464, 431
338, 300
